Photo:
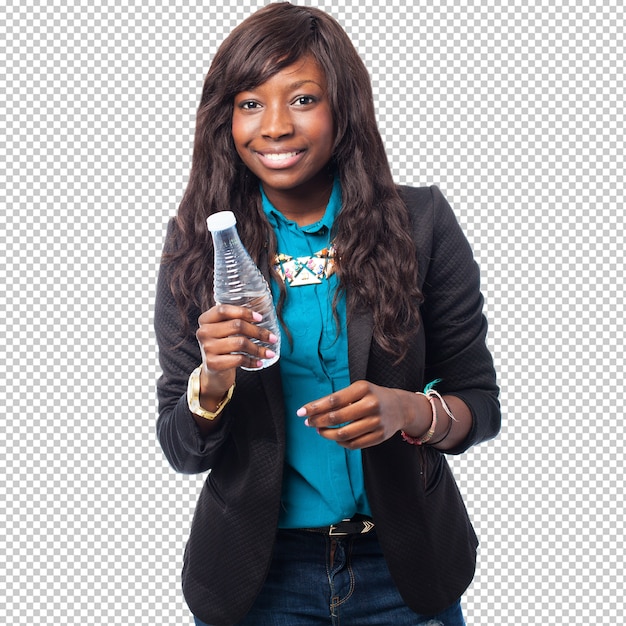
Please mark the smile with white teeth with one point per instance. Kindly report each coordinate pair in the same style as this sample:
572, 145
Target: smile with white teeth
279, 156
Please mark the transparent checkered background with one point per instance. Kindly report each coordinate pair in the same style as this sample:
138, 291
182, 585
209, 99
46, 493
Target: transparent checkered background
514, 108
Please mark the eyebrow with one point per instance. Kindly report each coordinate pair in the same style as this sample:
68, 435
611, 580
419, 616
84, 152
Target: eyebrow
295, 85
300, 83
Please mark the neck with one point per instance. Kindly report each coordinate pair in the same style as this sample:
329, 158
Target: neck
303, 207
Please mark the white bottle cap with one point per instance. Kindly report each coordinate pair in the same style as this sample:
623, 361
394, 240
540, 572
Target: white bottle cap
221, 221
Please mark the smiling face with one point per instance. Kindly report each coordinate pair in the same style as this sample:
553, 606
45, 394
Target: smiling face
284, 133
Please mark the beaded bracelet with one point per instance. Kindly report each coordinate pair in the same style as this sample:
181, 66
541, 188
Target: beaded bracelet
430, 394
444, 404
446, 408
448, 429
418, 441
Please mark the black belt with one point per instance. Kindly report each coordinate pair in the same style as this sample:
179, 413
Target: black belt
358, 525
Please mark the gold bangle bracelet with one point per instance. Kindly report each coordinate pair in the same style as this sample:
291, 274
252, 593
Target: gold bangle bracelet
193, 397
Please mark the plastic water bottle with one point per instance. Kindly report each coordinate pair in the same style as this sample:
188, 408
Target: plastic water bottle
237, 279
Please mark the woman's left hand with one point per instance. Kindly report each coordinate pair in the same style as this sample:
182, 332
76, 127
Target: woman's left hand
364, 414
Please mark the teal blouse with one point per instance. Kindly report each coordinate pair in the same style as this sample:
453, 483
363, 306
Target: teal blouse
323, 482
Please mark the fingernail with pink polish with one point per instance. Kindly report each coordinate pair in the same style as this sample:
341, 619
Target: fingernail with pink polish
257, 317
301, 412
269, 354
273, 338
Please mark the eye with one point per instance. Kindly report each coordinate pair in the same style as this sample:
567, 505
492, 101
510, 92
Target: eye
247, 105
304, 100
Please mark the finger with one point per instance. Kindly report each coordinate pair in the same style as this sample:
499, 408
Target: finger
361, 434
221, 312
336, 401
224, 362
233, 351
233, 327
335, 418
361, 406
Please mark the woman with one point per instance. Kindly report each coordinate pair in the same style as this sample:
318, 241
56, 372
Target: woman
329, 499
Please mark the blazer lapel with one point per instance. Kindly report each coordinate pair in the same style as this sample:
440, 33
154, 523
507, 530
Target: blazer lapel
360, 329
270, 377
272, 385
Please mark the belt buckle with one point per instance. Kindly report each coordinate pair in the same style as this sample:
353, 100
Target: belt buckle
334, 532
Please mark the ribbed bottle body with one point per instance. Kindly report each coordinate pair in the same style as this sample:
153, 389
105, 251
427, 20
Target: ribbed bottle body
237, 280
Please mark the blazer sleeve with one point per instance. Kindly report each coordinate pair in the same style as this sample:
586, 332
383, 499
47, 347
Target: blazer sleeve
454, 324
179, 354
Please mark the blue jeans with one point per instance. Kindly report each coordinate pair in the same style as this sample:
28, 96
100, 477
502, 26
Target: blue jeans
317, 580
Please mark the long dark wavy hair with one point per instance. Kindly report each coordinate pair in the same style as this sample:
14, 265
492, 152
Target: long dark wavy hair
377, 265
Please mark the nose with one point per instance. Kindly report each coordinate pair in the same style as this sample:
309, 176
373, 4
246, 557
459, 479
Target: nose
277, 122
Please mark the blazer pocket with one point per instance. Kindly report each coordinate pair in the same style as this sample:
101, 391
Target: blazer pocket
213, 491
433, 469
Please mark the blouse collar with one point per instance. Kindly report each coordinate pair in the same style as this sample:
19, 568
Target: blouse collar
326, 222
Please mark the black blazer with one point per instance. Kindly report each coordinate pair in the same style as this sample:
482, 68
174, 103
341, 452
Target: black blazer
421, 521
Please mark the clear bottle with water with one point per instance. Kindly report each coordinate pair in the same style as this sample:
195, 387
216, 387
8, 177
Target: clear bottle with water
237, 280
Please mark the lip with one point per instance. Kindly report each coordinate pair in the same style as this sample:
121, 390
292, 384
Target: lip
279, 159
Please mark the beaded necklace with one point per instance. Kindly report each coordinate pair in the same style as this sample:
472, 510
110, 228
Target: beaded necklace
306, 270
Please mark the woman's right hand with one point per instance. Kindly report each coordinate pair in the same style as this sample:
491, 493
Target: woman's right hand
225, 331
